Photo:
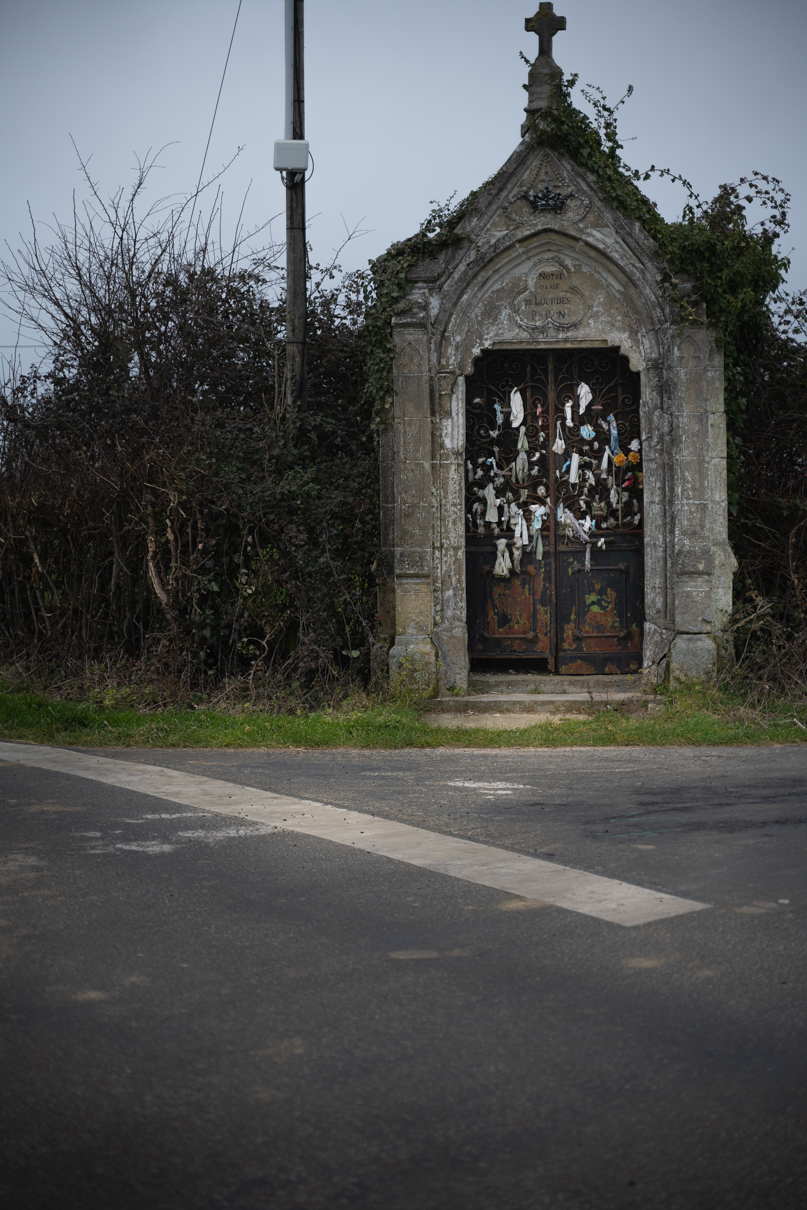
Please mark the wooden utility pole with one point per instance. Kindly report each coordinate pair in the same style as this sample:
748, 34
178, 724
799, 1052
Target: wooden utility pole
296, 284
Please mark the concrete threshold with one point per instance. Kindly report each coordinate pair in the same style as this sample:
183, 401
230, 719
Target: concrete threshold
551, 683
536, 703
508, 711
492, 722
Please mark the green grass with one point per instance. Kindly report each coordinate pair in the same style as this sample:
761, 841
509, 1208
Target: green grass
696, 718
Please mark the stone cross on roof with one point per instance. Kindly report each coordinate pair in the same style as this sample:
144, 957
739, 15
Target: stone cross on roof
545, 24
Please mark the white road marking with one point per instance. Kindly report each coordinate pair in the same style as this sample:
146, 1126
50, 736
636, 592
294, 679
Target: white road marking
606, 898
213, 835
490, 785
145, 846
166, 815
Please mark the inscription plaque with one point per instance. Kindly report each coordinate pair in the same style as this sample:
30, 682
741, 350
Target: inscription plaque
552, 301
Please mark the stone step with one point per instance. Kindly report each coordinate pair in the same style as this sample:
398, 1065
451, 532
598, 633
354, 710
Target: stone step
537, 703
541, 682
491, 722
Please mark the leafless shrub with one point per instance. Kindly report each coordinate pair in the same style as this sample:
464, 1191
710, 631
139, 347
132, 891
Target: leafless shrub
158, 511
770, 653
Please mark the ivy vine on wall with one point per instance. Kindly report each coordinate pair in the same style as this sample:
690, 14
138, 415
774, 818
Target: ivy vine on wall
387, 286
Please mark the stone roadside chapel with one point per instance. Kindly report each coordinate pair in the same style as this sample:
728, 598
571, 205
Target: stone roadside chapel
553, 466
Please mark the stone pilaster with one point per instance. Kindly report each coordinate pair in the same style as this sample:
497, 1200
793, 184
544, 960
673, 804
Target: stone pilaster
702, 562
451, 630
385, 566
413, 657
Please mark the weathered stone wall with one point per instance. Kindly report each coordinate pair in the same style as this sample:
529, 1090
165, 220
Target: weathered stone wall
580, 276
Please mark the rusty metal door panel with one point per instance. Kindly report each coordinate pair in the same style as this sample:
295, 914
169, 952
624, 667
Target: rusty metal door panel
513, 614
476, 560
511, 608
601, 630
579, 466
543, 588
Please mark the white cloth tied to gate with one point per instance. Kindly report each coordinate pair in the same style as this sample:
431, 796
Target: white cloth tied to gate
584, 396
582, 536
478, 509
518, 548
522, 470
574, 467
503, 565
493, 510
614, 433
539, 511
574, 525
516, 407
567, 407
606, 454
559, 445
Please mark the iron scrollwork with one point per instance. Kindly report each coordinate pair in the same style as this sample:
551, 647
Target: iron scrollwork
606, 495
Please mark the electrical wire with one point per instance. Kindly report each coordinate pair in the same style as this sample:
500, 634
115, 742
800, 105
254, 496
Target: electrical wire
216, 110
285, 175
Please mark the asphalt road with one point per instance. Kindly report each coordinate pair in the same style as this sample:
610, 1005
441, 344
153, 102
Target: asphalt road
204, 1015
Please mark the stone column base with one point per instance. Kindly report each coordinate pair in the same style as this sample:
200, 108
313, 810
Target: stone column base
413, 663
452, 650
693, 657
656, 649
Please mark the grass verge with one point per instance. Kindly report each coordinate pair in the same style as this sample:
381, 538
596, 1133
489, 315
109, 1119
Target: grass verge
696, 717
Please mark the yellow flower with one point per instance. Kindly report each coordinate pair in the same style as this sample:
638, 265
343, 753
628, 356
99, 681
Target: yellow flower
619, 460
633, 457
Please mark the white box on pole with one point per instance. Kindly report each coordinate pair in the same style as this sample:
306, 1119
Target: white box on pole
291, 155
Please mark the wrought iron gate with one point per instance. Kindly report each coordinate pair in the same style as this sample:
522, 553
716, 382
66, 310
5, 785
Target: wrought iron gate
554, 510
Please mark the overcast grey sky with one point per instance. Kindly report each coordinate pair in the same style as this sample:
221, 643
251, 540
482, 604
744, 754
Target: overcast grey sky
405, 102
